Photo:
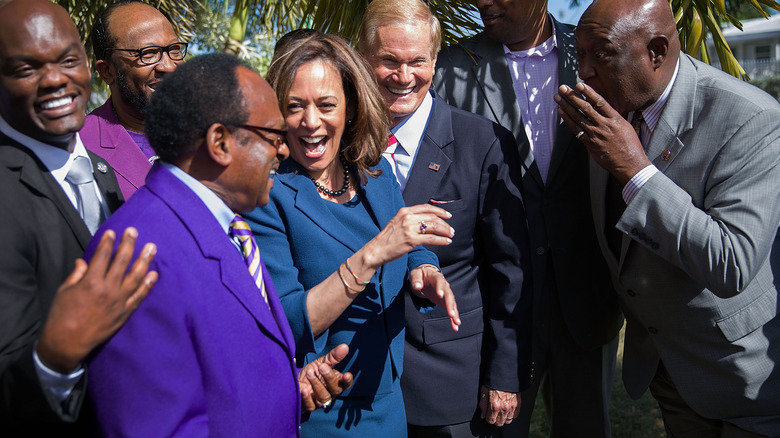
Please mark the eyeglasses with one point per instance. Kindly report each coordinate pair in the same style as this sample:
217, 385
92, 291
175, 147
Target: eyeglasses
151, 55
281, 134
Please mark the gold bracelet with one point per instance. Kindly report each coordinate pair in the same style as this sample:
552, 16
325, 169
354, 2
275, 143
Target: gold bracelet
357, 279
345, 281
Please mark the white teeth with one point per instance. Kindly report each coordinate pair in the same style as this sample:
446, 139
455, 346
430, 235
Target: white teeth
313, 140
400, 91
56, 103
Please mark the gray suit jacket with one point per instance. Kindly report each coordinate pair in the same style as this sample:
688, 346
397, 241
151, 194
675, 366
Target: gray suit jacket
697, 273
473, 75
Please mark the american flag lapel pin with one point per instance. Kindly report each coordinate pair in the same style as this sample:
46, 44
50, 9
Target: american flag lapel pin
434, 166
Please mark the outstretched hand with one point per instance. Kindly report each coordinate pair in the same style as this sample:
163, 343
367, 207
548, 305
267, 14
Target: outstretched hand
413, 226
431, 284
95, 301
320, 383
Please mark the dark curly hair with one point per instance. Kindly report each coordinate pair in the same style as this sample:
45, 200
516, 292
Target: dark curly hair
199, 93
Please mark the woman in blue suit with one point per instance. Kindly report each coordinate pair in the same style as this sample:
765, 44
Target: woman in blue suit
337, 239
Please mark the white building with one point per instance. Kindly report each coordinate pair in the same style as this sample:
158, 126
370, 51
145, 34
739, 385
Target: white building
756, 46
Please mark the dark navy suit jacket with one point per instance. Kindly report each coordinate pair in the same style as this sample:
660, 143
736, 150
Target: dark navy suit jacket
470, 167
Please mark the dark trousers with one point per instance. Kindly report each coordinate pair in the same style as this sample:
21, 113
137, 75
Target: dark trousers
575, 384
680, 421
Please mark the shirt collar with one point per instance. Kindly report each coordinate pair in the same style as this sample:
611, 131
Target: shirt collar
57, 160
652, 114
542, 50
410, 131
216, 206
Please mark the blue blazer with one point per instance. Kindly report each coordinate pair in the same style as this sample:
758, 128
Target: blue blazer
302, 244
202, 355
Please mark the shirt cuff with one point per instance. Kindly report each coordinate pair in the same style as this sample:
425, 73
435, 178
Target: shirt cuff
55, 385
637, 182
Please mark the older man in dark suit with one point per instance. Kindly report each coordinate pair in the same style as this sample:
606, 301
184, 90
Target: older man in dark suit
469, 166
52, 198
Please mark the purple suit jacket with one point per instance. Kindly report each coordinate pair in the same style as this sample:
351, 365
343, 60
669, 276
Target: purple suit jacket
104, 135
202, 355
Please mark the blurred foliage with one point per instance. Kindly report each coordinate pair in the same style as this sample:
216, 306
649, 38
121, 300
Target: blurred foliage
698, 18
248, 28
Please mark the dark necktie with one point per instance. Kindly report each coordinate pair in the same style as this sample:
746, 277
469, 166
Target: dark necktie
614, 204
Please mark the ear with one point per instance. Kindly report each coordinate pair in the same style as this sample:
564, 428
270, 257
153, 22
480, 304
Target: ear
219, 144
106, 71
658, 49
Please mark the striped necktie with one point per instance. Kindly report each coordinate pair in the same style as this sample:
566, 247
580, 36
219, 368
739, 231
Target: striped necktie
240, 230
636, 122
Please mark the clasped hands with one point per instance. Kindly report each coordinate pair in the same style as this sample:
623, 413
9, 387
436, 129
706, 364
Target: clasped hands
610, 140
320, 383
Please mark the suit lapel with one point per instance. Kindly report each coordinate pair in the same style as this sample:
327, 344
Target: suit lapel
567, 74
430, 156
34, 175
106, 181
308, 202
676, 118
491, 72
215, 244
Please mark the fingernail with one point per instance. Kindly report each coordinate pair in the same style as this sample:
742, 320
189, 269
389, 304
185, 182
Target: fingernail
449, 214
132, 232
417, 285
150, 249
452, 231
449, 240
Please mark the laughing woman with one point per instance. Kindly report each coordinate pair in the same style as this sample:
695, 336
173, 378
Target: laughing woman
337, 239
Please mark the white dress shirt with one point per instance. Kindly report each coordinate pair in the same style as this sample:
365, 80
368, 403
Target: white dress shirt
409, 133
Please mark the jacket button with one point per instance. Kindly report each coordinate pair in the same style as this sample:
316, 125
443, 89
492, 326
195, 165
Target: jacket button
540, 250
631, 293
652, 330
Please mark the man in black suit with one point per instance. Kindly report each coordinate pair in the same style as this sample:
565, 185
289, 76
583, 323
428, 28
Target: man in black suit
54, 308
469, 166
509, 74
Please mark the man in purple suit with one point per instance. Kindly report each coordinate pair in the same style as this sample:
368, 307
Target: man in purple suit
134, 47
210, 352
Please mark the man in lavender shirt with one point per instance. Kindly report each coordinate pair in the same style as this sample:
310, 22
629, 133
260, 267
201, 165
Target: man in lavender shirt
509, 73
135, 46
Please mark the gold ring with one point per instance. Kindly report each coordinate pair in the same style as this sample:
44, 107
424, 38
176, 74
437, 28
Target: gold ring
326, 404
579, 134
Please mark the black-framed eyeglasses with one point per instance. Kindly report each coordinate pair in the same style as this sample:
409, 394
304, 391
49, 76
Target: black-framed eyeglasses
281, 134
151, 55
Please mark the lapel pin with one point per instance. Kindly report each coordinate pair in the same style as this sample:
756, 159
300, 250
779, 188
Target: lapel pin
434, 166
666, 154
101, 167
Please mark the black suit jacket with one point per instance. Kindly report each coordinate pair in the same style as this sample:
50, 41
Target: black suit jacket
473, 75
41, 235
471, 167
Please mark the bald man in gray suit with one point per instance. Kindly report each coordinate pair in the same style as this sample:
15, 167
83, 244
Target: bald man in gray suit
687, 207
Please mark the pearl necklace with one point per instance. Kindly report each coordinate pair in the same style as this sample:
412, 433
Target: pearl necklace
341, 191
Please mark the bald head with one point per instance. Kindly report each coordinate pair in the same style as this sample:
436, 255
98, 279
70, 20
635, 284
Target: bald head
44, 73
628, 50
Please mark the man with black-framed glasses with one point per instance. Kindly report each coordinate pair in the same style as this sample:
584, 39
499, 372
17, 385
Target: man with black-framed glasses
134, 46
